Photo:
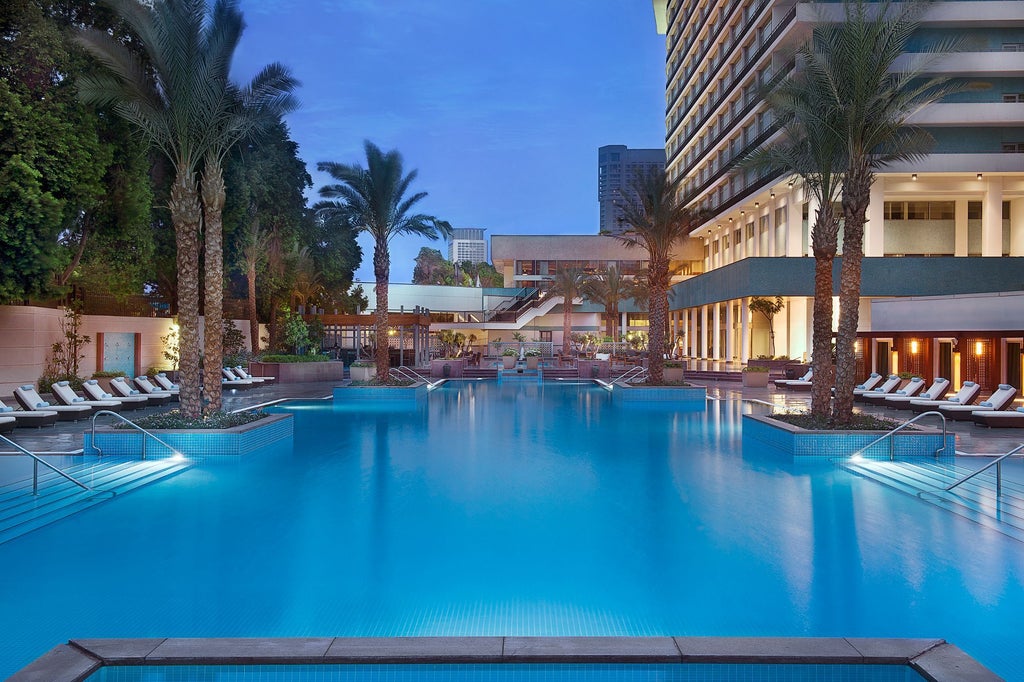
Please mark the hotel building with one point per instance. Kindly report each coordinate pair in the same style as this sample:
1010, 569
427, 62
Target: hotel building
617, 165
946, 227
467, 244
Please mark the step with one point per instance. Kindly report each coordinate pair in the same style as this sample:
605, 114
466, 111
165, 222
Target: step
21, 512
975, 500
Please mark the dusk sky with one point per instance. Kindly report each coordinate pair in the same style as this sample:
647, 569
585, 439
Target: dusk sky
500, 104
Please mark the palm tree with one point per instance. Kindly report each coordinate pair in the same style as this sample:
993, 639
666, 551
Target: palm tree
253, 254
658, 218
569, 283
373, 200
874, 97
811, 147
166, 93
609, 288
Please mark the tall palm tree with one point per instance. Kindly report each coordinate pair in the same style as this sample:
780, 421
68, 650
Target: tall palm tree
811, 147
373, 200
658, 218
874, 96
609, 288
254, 253
241, 112
569, 283
166, 93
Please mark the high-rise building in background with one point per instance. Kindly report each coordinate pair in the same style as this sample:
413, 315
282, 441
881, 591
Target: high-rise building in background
617, 165
467, 244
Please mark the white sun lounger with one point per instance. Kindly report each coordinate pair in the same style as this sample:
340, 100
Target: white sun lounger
93, 389
7, 424
911, 390
143, 383
784, 383
29, 400
121, 387
165, 384
34, 418
935, 392
967, 394
1002, 420
870, 384
242, 374
890, 386
230, 380
999, 400
66, 395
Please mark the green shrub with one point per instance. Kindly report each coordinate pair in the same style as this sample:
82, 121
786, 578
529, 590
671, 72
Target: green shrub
108, 373
533, 353
509, 352
363, 363
295, 358
48, 380
672, 364
755, 368
175, 419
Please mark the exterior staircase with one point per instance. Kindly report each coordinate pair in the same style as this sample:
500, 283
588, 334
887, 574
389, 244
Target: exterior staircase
975, 500
58, 498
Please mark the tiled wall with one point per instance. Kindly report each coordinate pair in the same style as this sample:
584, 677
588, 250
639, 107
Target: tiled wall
833, 444
196, 443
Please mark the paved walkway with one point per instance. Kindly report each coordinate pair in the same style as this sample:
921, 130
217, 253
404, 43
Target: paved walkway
67, 436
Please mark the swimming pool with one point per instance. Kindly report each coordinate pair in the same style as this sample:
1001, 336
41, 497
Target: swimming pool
514, 509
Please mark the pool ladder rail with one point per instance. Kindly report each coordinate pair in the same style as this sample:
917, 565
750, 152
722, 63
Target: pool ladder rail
145, 434
892, 443
37, 460
403, 373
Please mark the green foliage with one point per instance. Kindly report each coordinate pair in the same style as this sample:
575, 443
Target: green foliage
175, 419
69, 351
294, 332
755, 369
532, 353
233, 345
432, 268
509, 352
285, 358
172, 347
518, 336
107, 374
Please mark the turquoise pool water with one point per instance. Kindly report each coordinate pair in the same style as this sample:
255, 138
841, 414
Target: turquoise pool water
515, 509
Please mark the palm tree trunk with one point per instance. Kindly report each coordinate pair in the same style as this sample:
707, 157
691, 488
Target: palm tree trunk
856, 195
824, 245
186, 216
381, 273
254, 323
213, 209
567, 322
657, 284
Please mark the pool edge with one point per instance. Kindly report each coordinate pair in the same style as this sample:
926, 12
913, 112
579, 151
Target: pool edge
934, 659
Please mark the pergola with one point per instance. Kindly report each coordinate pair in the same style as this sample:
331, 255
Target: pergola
408, 335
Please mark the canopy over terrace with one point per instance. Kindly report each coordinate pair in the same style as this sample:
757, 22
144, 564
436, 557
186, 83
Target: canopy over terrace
354, 336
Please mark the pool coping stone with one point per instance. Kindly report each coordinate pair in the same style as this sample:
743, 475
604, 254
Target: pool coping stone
935, 659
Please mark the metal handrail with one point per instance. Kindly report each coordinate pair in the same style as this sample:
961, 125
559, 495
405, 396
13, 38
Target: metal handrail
892, 445
36, 461
997, 463
633, 375
403, 372
135, 426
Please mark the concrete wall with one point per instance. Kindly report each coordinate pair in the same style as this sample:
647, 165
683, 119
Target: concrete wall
978, 312
27, 333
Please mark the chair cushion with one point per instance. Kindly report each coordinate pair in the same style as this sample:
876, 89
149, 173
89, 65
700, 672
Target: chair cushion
92, 382
6, 409
27, 387
926, 396
954, 399
106, 395
43, 404
76, 399
133, 392
985, 403
63, 383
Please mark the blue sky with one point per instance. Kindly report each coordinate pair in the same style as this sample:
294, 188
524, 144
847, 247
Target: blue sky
500, 104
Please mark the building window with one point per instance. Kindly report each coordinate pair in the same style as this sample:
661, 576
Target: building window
1013, 97
545, 335
974, 210
1013, 47
894, 210
1013, 147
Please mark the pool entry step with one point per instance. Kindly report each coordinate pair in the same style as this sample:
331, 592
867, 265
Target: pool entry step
975, 500
58, 498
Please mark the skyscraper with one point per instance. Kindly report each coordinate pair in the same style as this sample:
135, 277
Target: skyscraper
617, 165
467, 244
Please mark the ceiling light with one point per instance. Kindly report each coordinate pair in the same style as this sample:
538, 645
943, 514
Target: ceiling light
773, 195
979, 176
913, 176
757, 204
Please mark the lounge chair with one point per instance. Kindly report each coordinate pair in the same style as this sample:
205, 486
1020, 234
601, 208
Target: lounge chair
870, 384
161, 381
230, 380
909, 391
889, 386
473, 358
784, 383
24, 418
936, 391
148, 389
1002, 420
121, 388
999, 400
65, 395
94, 391
29, 400
967, 394
7, 424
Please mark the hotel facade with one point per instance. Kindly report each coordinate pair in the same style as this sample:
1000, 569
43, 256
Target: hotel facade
941, 229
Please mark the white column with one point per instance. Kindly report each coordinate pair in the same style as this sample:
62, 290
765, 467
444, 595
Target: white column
794, 223
1017, 227
703, 332
744, 329
781, 327
623, 317
874, 231
773, 205
960, 227
716, 339
798, 319
730, 332
693, 333
992, 219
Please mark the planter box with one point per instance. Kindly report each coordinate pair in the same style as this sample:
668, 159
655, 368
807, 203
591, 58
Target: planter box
104, 383
594, 369
532, 361
755, 379
455, 367
781, 369
238, 440
804, 443
509, 361
362, 373
298, 372
672, 374
689, 397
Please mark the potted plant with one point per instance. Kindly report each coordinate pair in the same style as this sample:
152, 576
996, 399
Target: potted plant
104, 377
532, 358
755, 376
672, 372
363, 370
509, 357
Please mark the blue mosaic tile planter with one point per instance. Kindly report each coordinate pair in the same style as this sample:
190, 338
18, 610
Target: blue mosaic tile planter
238, 440
413, 393
665, 396
804, 443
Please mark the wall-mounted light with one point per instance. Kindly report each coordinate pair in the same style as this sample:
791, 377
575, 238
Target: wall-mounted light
979, 176
743, 213
913, 176
757, 204
913, 347
790, 183
979, 348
